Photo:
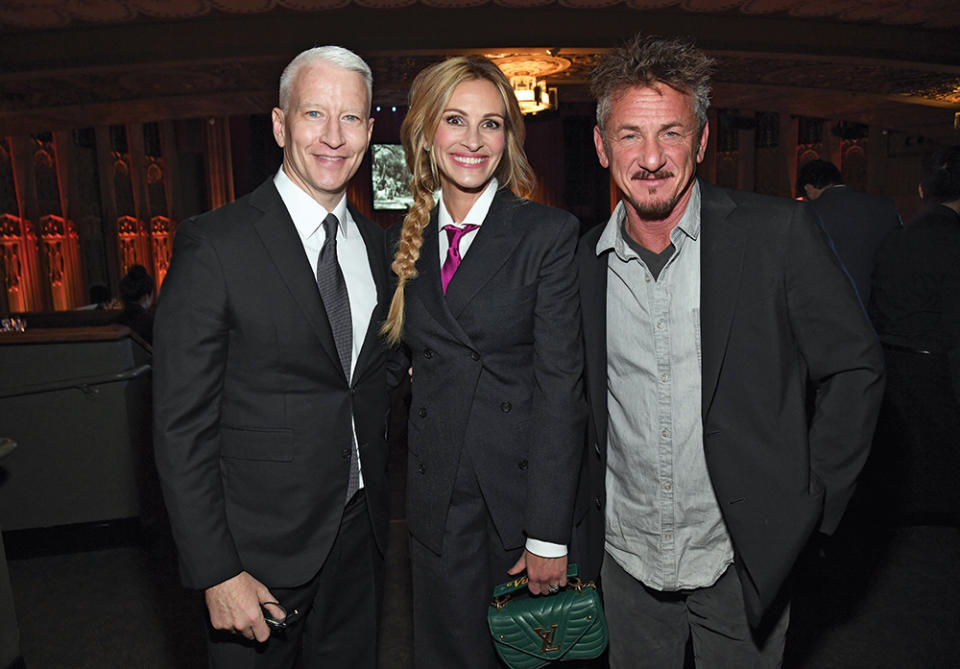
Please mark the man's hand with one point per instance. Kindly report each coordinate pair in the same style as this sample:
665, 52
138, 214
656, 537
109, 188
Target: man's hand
543, 573
234, 606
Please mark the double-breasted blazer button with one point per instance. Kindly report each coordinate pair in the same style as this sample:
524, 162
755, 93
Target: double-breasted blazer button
427, 353
475, 356
422, 412
421, 469
598, 502
522, 464
505, 407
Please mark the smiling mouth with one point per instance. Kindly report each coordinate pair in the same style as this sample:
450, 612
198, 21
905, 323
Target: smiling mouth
469, 161
651, 176
330, 159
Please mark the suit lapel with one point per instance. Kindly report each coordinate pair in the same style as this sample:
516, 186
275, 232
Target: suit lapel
721, 264
427, 287
493, 245
376, 256
280, 238
593, 304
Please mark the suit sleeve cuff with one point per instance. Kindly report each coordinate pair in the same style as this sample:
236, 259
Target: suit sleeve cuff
545, 549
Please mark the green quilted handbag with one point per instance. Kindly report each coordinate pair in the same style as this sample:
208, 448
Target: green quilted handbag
533, 631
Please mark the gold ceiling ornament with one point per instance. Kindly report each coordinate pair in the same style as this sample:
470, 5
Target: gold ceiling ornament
527, 74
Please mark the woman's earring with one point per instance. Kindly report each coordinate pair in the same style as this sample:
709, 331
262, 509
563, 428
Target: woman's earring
426, 147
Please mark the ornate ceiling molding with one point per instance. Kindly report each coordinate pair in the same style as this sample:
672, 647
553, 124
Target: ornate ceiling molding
120, 83
50, 14
83, 63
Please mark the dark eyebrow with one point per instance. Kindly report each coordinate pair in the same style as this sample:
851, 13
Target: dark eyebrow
454, 110
636, 128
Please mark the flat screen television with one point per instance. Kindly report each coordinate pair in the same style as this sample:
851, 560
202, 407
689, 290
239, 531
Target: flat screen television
390, 178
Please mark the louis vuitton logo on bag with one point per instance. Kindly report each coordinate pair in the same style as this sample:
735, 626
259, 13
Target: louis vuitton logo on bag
548, 637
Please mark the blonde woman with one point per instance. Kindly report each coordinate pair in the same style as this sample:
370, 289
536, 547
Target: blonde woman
486, 308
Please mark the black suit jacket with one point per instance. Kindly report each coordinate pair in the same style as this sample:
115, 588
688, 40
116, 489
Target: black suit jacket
252, 409
497, 365
779, 320
856, 224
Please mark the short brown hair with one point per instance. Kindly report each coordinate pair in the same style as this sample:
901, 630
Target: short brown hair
648, 61
941, 175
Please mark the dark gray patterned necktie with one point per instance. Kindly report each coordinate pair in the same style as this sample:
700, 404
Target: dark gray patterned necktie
333, 291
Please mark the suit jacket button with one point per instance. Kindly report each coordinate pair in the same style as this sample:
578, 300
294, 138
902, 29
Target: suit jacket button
522, 464
598, 502
421, 469
505, 407
345, 453
427, 353
422, 412
475, 356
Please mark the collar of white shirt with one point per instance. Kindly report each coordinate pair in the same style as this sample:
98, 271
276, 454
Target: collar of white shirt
307, 213
477, 212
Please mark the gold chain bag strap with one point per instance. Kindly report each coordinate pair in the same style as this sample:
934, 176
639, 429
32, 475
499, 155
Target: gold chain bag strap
533, 631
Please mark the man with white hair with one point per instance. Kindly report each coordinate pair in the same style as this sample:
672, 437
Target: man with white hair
270, 392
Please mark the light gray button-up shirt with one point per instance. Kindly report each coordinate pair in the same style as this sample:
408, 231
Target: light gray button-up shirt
663, 522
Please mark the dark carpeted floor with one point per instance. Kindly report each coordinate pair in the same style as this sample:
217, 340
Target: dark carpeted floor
890, 600
877, 596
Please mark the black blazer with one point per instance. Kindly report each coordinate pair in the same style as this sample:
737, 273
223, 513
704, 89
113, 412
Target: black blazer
778, 319
252, 409
497, 365
856, 224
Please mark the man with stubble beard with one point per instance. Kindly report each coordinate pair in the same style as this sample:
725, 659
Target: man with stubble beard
710, 316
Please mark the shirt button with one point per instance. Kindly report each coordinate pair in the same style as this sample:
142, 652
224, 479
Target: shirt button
664, 377
427, 353
668, 536
660, 324
505, 407
665, 433
667, 485
646, 277
422, 412
475, 356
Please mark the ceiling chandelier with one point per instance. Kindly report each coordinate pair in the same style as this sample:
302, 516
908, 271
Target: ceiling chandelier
527, 74
533, 96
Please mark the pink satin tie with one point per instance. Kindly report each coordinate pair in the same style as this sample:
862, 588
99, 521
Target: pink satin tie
450, 265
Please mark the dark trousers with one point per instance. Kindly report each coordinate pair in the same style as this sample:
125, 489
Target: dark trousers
650, 629
451, 592
912, 471
338, 606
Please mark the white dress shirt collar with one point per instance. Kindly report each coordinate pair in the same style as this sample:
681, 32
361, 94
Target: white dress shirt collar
307, 213
477, 212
